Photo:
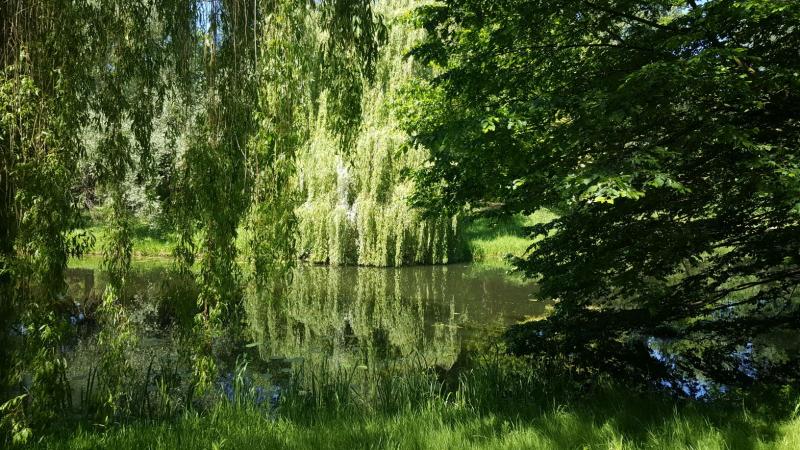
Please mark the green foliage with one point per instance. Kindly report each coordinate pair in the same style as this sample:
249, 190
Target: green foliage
498, 403
290, 35
43, 359
356, 200
13, 420
665, 135
115, 343
37, 163
96, 74
57, 79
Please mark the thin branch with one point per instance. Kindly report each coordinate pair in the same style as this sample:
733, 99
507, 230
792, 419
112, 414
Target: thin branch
597, 45
632, 17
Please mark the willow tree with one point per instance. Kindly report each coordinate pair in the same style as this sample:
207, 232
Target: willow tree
58, 80
355, 207
257, 94
106, 66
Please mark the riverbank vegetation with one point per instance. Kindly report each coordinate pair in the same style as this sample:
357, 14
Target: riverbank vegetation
492, 401
634, 164
434, 428
490, 410
488, 240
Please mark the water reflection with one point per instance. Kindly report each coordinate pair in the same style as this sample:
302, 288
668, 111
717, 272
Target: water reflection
368, 316
349, 316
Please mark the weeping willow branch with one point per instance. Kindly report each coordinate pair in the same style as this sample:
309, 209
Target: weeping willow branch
247, 74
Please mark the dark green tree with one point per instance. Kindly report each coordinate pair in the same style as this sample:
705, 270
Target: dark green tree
667, 136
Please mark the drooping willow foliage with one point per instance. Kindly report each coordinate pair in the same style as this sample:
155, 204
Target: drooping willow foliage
241, 78
355, 206
66, 66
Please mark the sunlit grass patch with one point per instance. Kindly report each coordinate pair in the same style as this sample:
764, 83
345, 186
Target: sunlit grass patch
147, 242
441, 426
493, 239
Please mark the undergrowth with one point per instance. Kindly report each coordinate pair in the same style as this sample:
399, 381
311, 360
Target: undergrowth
495, 402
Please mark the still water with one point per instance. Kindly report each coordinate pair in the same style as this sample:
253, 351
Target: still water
342, 316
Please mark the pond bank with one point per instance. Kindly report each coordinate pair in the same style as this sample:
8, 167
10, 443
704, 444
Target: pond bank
489, 401
482, 415
489, 239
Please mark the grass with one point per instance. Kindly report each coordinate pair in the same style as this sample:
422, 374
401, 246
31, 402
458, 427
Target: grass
441, 425
499, 403
492, 240
147, 242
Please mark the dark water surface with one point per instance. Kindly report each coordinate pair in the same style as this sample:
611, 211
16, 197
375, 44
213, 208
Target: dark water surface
343, 316
335, 317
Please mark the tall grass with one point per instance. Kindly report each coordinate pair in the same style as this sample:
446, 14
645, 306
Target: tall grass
498, 402
442, 425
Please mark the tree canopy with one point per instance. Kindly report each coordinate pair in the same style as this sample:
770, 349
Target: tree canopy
234, 85
665, 134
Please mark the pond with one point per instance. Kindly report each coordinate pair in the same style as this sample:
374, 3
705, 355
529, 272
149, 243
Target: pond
348, 318
338, 316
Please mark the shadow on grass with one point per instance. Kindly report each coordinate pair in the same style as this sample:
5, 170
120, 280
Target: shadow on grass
594, 423
499, 404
